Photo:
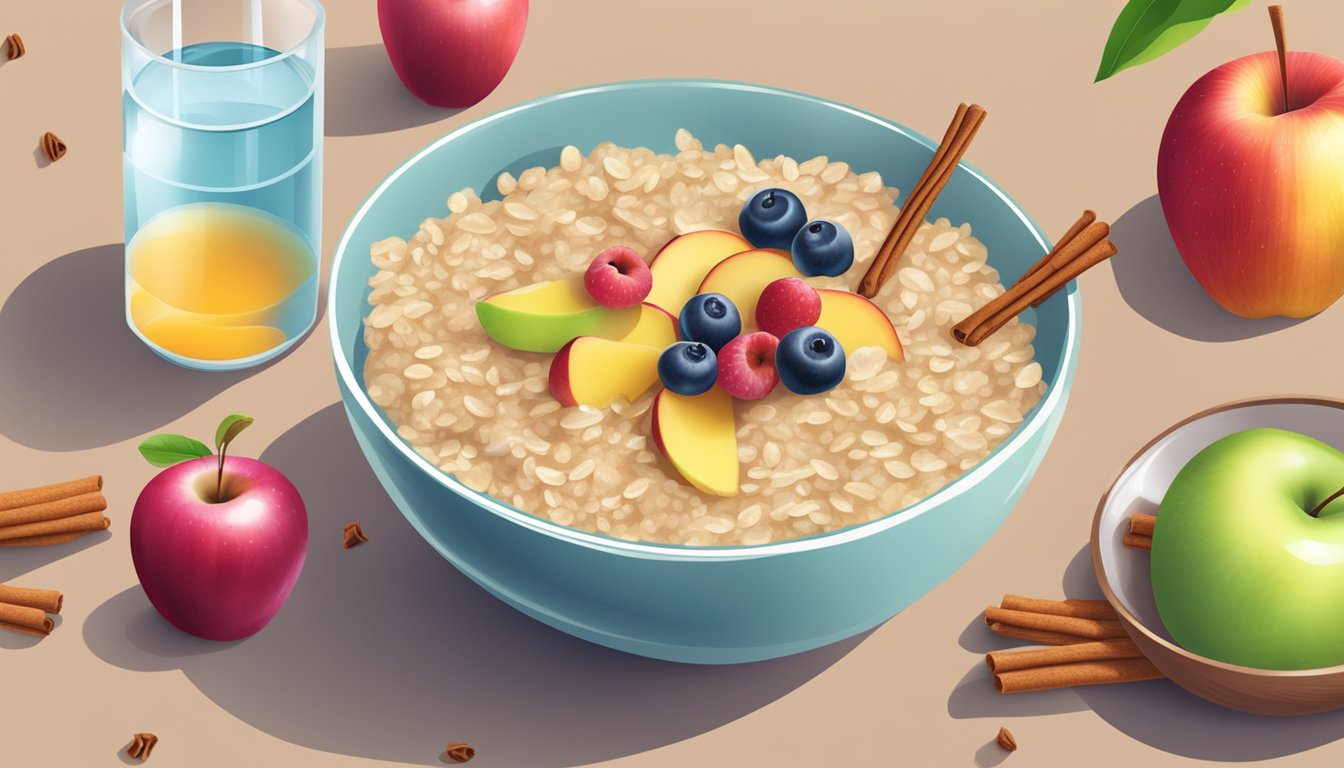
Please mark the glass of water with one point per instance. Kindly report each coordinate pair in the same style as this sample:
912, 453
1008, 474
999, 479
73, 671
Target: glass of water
222, 169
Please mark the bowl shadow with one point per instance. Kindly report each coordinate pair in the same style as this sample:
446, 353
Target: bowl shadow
75, 376
365, 97
1154, 282
385, 651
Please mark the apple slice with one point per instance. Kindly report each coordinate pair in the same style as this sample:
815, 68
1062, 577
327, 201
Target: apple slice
594, 371
742, 276
857, 322
698, 436
656, 328
683, 263
543, 317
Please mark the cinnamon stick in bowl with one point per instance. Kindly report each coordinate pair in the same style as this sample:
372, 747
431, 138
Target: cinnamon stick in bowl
1084, 246
955, 141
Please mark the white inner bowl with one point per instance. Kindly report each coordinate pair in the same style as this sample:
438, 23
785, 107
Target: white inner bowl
1142, 484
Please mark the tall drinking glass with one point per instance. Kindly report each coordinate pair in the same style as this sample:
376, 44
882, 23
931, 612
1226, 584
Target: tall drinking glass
222, 168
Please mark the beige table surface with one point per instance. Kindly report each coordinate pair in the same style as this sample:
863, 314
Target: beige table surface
384, 653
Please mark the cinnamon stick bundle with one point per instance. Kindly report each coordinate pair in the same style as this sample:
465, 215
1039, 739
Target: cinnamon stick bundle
25, 610
1082, 247
52, 514
1078, 656
1140, 535
939, 171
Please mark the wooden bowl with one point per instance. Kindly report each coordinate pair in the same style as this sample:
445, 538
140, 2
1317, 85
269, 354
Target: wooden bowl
1124, 577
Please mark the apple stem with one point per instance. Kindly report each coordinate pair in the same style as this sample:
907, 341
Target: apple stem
219, 476
1320, 507
1276, 20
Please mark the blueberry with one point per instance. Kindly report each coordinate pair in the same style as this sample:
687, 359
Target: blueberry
810, 361
688, 368
823, 248
771, 218
711, 319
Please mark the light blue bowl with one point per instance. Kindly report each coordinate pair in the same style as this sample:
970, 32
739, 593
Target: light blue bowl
707, 605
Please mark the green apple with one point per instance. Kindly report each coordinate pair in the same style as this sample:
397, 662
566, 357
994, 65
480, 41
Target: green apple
543, 317
1248, 553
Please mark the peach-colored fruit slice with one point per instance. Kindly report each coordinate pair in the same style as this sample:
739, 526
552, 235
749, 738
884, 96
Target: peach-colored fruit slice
594, 371
683, 263
543, 317
857, 322
656, 328
698, 436
742, 276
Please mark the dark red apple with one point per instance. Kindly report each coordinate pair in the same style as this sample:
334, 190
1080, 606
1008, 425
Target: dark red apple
452, 53
217, 541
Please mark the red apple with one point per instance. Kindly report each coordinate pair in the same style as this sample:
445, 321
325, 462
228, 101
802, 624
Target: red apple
452, 53
1254, 194
219, 570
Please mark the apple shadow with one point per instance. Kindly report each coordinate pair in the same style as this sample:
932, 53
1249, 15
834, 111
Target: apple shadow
1154, 282
385, 651
75, 376
365, 97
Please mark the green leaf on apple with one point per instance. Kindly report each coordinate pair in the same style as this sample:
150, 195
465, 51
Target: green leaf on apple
167, 450
229, 429
1146, 29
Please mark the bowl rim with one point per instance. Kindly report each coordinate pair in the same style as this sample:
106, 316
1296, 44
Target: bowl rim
1132, 621
1054, 399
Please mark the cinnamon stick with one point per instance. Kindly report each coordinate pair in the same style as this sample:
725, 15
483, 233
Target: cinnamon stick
1142, 525
69, 506
22, 630
1081, 673
1037, 636
1079, 609
965, 123
42, 541
33, 619
1095, 629
982, 323
1100, 650
41, 494
1078, 226
48, 600
1069, 249
90, 521
1135, 541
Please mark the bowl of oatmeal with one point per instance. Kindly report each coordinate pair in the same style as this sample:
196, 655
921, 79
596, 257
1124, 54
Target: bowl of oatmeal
712, 528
